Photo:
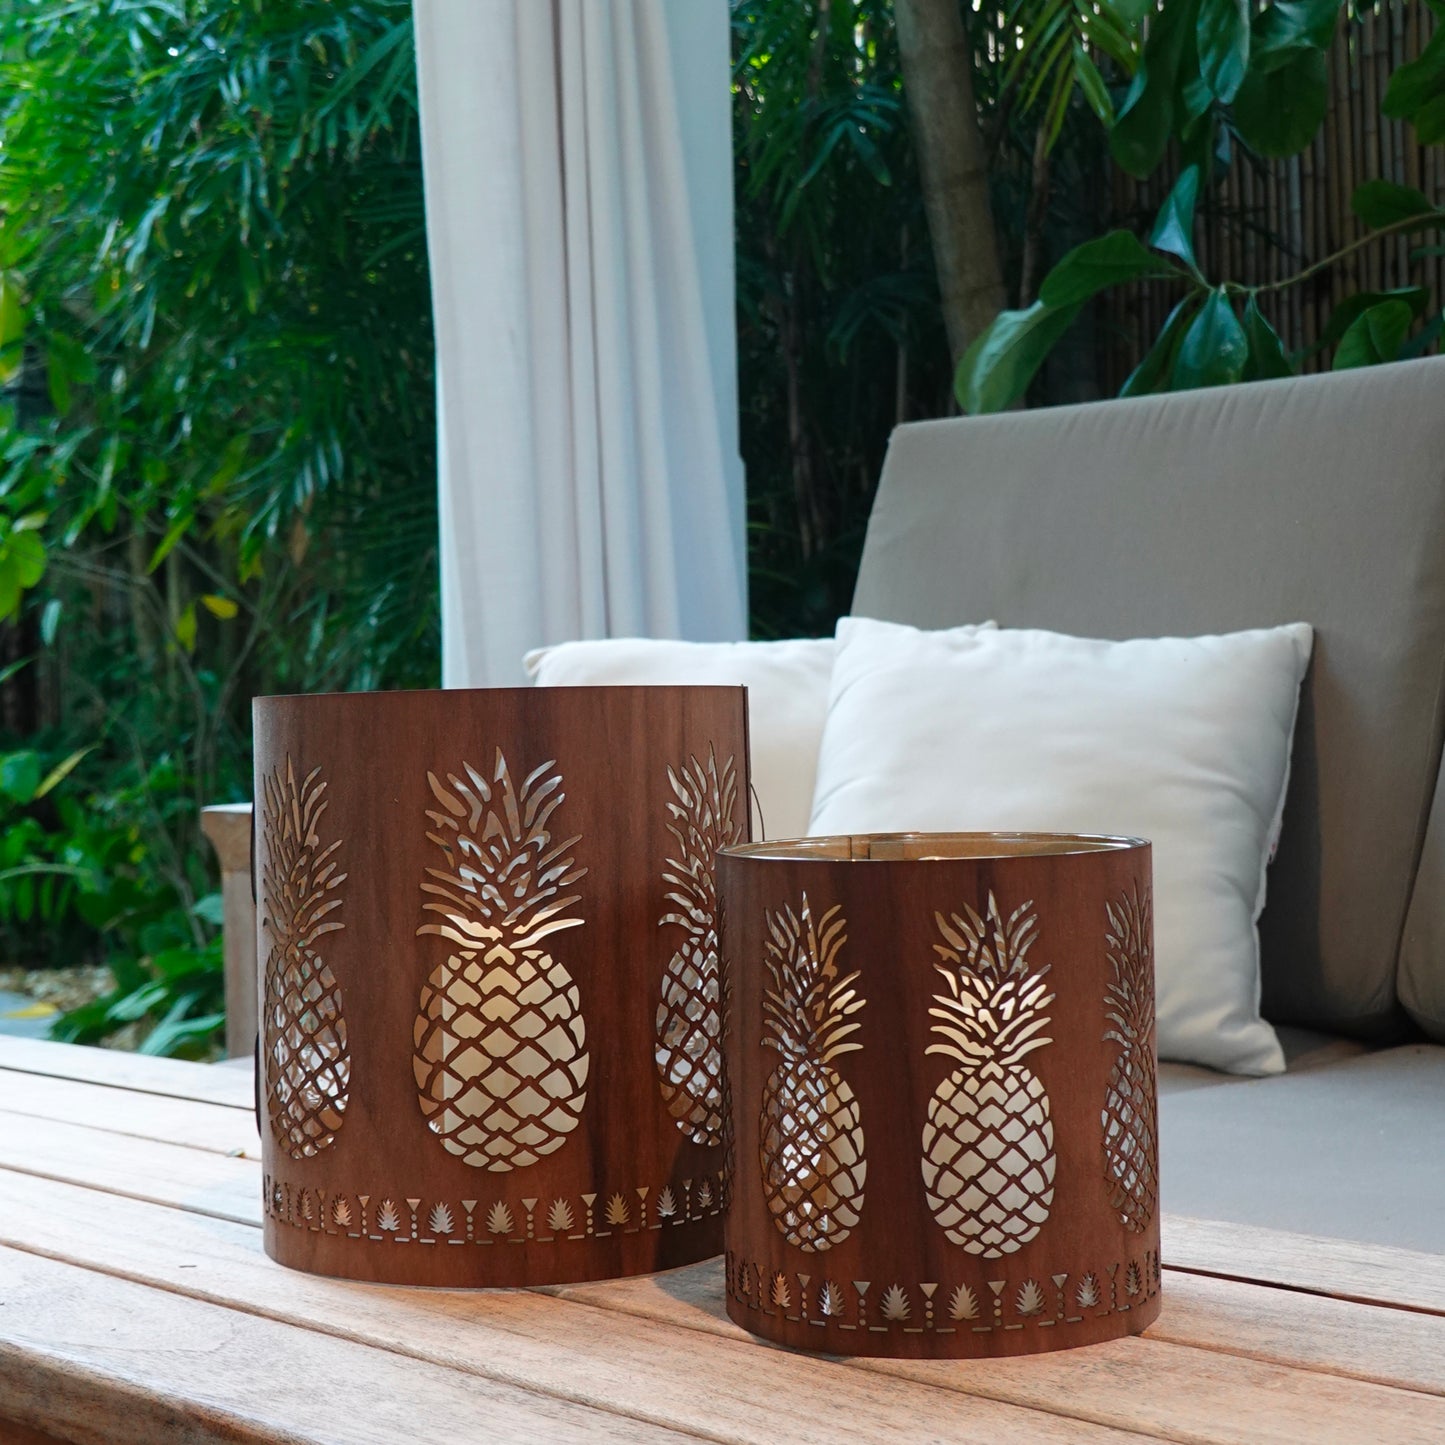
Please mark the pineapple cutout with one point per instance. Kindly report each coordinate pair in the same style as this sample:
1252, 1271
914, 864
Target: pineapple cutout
689, 1018
501, 1059
811, 1137
1129, 1101
988, 1143
308, 1063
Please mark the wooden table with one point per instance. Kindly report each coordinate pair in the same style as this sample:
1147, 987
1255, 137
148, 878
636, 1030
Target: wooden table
136, 1305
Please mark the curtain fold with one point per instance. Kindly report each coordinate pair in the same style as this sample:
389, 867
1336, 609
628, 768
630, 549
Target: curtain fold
579, 219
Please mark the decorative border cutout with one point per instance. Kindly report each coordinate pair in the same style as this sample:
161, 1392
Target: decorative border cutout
367, 1218
943, 1307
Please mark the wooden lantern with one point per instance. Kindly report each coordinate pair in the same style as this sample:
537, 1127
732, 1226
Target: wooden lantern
941, 1056
490, 1019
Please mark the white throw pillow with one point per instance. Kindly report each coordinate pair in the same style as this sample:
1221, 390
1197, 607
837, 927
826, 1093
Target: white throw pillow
1184, 741
787, 685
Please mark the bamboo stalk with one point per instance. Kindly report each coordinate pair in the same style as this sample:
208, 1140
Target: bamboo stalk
1399, 140
1341, 118
1370, 124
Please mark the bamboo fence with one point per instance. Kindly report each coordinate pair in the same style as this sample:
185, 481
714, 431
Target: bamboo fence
1271, 219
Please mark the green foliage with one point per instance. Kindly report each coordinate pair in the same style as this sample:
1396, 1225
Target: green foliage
217, 458
79, 880
1222, 36
1000, 363
1052, 58
839, 327
1417, 91
215, 223
1377, 334
1279, 112
838, 322
1214, 74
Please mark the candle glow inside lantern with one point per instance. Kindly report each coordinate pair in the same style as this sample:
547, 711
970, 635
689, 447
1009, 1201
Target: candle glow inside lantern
941, 1056
489, 999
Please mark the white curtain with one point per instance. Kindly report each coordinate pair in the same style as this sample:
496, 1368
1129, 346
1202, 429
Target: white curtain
580, 226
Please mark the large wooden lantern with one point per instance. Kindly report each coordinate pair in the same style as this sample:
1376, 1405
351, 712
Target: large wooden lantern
490, 1013
941, 1056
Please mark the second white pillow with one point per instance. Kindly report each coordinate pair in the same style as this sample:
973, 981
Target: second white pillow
1184, 741
787, 685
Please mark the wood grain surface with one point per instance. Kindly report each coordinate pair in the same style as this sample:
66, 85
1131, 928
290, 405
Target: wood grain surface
133, 1311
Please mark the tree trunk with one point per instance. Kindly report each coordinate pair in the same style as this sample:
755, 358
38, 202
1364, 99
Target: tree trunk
938, 80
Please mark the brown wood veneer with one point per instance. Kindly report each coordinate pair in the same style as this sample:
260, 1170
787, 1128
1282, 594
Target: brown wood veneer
865, 1215
384, 1157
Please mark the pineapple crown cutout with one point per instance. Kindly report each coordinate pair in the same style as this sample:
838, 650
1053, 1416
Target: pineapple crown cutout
807, 1009
298, 872
993, 1011
703, 821
504, 872
1130, 997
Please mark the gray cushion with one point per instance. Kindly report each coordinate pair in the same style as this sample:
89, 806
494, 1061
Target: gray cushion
1320, 500
1304, 1049
1353, 1149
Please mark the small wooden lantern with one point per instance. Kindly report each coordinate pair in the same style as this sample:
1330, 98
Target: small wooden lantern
941, 1056
490, 1015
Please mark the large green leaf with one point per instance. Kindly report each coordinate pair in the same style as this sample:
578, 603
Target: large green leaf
12, 332
1155, 372
1278, 113
20, 775
1214, 349
1088, 269
1417, 89
1429, 121
1384, 203
996, 370
1146, 115
1267, 358
1092, 87
1174, 227
1417, 298
1375, 335
1283, 30
26, 553
1222, 36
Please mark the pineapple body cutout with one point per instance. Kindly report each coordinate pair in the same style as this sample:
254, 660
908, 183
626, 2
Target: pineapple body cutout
810, 1133
688, 1047
501, 1060
1128, 1115
308, 1061
988, 1143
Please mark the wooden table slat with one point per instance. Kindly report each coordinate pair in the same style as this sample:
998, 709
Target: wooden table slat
137, 1073
134, 1296
1315, 1332
731, 1389
171, 1174
103, 1361
161, 1117
651, 1344
1173, 1390
1373, 1273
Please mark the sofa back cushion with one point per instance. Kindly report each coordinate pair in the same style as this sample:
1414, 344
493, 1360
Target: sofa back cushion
1320, 499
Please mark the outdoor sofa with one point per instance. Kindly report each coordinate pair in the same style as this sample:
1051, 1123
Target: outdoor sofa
1320, 500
